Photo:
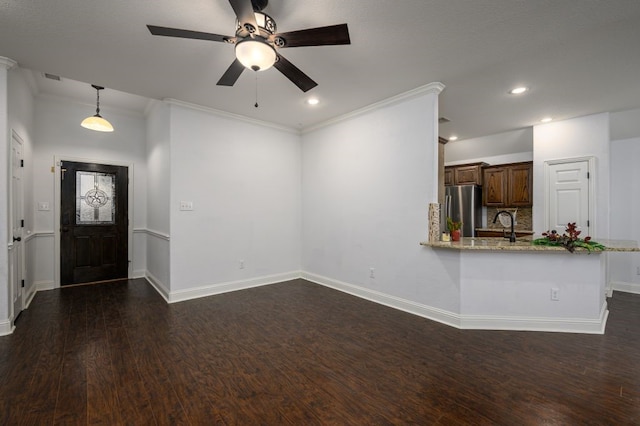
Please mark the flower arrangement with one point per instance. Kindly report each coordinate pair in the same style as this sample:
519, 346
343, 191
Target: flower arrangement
569, 240
453, 225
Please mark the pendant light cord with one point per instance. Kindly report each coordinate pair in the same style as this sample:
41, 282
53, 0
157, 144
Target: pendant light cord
256, 104
98, 101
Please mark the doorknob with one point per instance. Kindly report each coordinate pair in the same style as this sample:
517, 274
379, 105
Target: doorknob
17, 239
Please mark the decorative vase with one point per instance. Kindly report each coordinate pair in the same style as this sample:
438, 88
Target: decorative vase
455, 235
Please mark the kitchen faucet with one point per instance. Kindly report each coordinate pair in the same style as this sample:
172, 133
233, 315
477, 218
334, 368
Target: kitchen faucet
512, 237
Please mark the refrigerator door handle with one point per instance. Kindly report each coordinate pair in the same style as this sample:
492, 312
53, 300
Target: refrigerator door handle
447, 203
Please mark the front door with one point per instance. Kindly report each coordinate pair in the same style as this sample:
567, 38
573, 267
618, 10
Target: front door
93, 223
569, 196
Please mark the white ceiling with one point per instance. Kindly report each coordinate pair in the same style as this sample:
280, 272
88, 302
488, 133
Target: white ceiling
578, 56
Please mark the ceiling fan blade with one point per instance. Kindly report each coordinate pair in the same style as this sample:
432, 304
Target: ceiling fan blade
231, 75
296, 76
244, 12
176, 32
321, 36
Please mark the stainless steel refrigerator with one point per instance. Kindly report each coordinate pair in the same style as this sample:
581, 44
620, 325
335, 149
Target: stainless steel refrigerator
463, 203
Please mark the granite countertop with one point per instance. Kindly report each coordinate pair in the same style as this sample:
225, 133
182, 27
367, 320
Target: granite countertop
501, 244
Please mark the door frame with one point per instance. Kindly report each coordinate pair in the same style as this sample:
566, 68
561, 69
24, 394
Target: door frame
58, 159
20, 250
591, 163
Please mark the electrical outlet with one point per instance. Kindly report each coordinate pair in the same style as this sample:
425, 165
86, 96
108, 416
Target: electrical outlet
638, 270
241, 264
372, 273
186, 205
555, 294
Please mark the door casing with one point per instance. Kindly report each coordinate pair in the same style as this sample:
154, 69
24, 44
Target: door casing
57, 202
16, 214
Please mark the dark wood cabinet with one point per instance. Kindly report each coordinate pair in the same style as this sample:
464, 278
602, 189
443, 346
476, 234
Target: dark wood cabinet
464, 174
448, 176
494, 191
508, 185
520, 185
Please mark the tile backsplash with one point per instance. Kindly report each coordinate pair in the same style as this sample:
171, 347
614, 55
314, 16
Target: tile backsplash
524, 217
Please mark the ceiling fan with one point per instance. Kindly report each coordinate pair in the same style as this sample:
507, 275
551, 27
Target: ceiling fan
257, 42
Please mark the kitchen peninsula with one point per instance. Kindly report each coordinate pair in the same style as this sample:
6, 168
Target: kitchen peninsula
521, 286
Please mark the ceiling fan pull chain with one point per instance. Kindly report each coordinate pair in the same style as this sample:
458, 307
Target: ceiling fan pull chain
256, 104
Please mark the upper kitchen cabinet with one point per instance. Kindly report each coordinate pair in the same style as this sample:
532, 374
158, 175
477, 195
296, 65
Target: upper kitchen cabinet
464, 174
508, 185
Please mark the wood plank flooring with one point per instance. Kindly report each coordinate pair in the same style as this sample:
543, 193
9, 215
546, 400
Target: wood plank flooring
301, 354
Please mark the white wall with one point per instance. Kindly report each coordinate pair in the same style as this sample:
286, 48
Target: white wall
58, 134
625, 124
5, 312
366, 184
158, 196
243, 179
508, 147
21, 113
579, 137
625, 211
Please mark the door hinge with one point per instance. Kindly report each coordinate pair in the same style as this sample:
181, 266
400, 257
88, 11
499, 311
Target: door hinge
588, 175
21, 223
588, 223
22, 283
21, 163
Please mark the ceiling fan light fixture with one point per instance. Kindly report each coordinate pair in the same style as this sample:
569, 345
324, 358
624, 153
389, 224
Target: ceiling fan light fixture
96, 122
255, 54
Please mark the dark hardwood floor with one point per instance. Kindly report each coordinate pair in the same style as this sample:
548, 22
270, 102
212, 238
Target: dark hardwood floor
299, 353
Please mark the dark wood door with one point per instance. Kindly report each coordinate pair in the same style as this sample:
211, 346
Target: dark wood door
93, 223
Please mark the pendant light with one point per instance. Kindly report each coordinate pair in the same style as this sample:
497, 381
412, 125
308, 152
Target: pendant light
96, 122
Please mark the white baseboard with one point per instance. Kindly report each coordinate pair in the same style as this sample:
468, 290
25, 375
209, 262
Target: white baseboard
158, 285
29, 297
559, 325
472, 322
140, 273
43, 285
626, 287
35, 288
436, 314
6, 327
213, 289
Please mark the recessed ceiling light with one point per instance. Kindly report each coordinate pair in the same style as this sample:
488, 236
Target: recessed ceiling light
313, 101
546, 120
453, 138
518, 90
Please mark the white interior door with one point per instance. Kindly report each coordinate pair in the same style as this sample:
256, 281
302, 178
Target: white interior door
568, 195
17, 223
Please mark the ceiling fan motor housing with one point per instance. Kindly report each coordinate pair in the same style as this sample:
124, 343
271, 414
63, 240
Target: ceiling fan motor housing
259, 5
266, 27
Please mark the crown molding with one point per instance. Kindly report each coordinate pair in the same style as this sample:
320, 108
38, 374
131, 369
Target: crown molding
230, 115
7, 63
431, 88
